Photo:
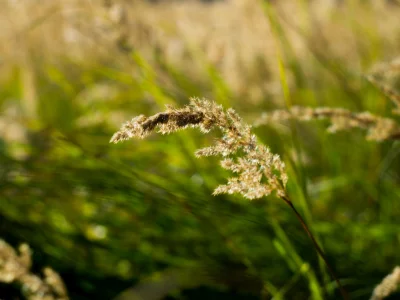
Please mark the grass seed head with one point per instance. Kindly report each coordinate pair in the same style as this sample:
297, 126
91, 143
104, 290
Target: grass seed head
259, 172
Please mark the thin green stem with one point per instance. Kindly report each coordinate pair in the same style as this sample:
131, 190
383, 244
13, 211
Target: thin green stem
317, 247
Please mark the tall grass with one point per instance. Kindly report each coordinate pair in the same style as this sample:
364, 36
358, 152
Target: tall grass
259, 171
71, 72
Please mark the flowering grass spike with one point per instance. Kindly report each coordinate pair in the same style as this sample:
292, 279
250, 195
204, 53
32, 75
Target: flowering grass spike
259, 172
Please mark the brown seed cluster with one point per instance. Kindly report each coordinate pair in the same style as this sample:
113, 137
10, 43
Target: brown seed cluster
259, 172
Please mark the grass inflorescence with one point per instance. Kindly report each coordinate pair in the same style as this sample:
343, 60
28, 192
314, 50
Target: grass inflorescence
107, 217
259, 171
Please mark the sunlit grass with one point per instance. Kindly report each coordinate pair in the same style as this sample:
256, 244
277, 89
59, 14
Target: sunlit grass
96, 212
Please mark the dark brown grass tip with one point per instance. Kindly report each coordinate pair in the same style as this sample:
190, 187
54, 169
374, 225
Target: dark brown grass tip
167, 122
181, 119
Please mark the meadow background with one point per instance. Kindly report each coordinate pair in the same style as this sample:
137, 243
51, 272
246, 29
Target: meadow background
139, 216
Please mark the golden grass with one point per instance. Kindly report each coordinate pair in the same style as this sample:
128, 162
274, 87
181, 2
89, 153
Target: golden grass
236, 39
234, 36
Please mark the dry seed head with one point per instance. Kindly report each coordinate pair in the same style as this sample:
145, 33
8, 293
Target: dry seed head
15, 267
388, 285
386, 68
388, 91
378, 128
259, 172
385, 71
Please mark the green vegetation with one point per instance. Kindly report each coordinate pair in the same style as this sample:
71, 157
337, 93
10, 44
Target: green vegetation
140, 216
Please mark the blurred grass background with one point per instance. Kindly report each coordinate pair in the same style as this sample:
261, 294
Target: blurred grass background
113, 218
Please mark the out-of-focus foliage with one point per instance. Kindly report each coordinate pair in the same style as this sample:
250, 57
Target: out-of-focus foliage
109, 216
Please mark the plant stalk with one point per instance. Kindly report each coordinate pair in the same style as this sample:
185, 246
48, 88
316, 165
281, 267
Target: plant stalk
317, 247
